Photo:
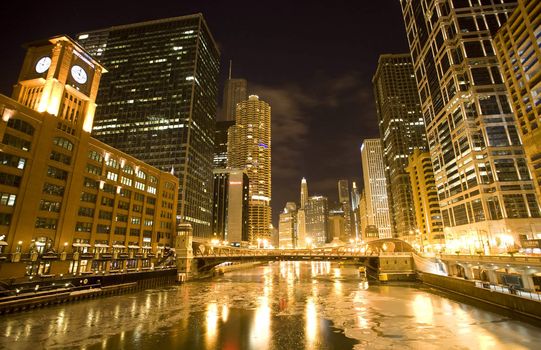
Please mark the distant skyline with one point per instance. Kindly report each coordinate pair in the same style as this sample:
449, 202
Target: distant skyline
313, 64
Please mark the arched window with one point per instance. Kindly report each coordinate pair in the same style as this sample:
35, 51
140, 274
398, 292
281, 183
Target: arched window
21, 125
64, 143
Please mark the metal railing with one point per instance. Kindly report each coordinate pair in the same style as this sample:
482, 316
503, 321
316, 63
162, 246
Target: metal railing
506, 290
501, 259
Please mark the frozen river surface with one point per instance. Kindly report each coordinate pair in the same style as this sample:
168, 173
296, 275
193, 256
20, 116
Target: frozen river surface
288, 305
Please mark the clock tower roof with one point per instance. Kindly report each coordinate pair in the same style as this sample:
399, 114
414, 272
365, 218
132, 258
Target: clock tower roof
60, 38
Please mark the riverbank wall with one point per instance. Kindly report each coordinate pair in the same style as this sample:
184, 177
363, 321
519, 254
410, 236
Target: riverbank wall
466, 288
35, 294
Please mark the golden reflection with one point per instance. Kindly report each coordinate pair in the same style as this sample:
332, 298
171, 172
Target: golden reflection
422, 309
337, 272
8, 330
225, 312
260, 330
212, 324
362, 322
338, 288
311, 324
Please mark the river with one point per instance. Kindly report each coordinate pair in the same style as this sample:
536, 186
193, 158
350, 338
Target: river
287, 305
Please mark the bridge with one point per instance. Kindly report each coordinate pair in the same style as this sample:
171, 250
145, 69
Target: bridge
194, 258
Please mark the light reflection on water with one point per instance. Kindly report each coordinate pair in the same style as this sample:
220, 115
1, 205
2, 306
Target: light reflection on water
288, 305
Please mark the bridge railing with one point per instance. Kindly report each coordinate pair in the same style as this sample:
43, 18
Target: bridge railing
518, 260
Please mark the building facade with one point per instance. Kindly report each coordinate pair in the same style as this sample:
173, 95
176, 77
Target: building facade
428, 233
70, 203
250, 149
300, 242
230, 205
402, 130
235, 91
375, 187
221, 143
288, 226
337, 233
345, 201
158, 102
317, 211
482, 177
355, 210
519, 53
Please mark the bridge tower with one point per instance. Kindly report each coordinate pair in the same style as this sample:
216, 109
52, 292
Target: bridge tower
184, 251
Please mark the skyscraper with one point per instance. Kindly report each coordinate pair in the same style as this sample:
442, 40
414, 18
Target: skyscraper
355, 209
301, 216
482, 178
428, 233
230, 205
158, 102
375, 187
288, 225
401, 129
519, 53
221, 143
345, 202
250, 149
235, 91
317, 211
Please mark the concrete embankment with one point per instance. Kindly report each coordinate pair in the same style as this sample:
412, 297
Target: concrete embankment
241, 266
465, 288
94, 286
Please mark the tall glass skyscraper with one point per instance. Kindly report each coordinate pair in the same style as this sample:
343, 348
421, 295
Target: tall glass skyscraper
158, 102
485, 189
402, 129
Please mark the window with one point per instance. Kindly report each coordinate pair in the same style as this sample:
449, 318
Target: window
126, 181
107, 201
5, 219
125, 193
56, 190
139, 185
123, 205
108, 188
10, 180
112, 163
64, 143
151, 200
141, 174
112, 176
135, 221
57, 173
16, 142
12, 160
128, 170
83, 227
90, 183
135, 232
120, 231
59, 157
149, 222
46, 205
92, 169
122, 218
103, 228
8, 199
88, 212
137, 208
88, 197
21, 126
151, 189
95, 156
106, 215
139, 197
46, 223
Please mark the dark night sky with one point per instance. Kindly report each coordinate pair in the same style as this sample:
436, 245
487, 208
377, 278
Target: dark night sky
311, 60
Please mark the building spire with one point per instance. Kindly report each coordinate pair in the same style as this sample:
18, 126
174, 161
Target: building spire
230, 66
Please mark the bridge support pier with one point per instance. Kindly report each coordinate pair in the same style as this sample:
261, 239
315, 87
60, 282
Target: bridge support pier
184, 252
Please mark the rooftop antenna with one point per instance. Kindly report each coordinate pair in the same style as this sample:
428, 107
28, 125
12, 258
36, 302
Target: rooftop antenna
230, 64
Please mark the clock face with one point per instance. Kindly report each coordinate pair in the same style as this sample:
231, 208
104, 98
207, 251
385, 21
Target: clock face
43, 64
79, 74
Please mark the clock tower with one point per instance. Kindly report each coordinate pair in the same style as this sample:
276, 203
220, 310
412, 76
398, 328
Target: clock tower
60, 78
